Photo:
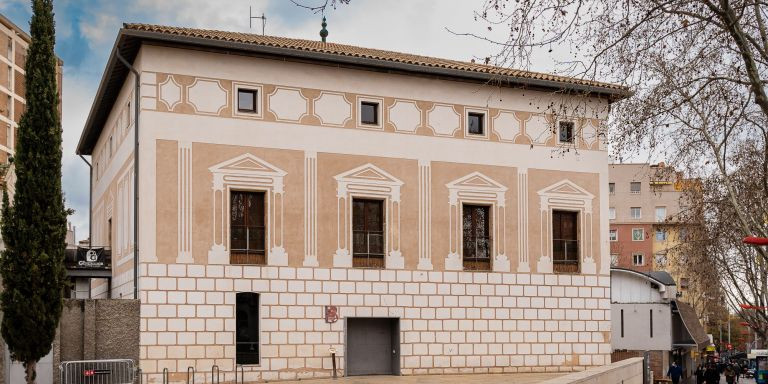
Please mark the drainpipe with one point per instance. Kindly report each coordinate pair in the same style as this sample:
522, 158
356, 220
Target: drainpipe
136, 94
90, 201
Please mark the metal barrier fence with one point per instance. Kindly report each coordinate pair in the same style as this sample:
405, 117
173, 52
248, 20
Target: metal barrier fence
117, 371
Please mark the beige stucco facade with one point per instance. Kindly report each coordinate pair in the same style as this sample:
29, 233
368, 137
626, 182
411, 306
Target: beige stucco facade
306, 149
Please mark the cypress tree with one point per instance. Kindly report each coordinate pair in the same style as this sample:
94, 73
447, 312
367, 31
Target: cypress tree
34, 226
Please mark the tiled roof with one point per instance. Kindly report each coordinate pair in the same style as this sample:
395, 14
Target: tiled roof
368, 53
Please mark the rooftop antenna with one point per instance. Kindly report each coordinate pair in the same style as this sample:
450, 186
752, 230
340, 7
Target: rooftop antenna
251, 17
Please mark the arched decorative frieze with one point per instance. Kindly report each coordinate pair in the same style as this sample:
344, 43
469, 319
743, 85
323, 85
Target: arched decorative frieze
568, 196
247, 172
443, 120
506, 126
207, 96
478, 189
539, 129
368, 181
170, 93
405, 116
333, 109
288, 104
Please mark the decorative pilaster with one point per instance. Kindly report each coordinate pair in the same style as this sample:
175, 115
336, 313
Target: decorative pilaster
523, 264
184, 203
425, 216
310, 209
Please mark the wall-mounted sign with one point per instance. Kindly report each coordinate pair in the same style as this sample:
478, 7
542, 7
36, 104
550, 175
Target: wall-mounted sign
331, 314
91, 258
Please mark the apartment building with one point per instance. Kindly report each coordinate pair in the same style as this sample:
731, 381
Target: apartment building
644, 210
13, 56
299, 200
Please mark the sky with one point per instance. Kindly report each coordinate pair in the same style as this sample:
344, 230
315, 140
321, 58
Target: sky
86, 31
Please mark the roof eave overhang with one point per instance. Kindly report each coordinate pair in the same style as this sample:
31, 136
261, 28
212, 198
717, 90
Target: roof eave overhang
639, 274
87, 139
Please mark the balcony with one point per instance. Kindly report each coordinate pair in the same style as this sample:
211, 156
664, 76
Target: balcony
88, 261
367, 249
565, 256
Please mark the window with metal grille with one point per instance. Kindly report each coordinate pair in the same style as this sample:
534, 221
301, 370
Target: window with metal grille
368, 233
565, 247
634, 187
477, 241
247, 322
247, 228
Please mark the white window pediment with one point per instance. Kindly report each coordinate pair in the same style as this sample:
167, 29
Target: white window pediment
368, 180
476, 185
566, 189
569, 196
250, 167
477, 188
247, 172
365, 176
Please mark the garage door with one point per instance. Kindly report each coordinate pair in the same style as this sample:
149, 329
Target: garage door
372, 346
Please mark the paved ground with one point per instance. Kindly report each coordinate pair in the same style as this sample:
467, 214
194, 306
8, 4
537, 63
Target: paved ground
518, 378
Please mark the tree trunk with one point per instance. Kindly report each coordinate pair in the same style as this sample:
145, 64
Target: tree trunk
30, 368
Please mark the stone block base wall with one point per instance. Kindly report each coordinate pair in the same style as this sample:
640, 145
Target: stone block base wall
450, 322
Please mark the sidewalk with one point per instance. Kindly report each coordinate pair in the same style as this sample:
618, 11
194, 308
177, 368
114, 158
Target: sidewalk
517, 378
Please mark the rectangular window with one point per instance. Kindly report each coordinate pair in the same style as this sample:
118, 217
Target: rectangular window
566, 132
247, 100
638, 234
565, 247
475, 123
661, 260
661, 214
247, 322
661, 235
651, 321
622, 323
614, 259
637, 259
614, 235
9, 136
634, 187
612, 213
684, 283
477, 243
612, 188
635, 213
369, 113
10, 78
248, 231
368, 233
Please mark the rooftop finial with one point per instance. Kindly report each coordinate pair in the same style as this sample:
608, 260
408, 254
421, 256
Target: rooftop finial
324, 32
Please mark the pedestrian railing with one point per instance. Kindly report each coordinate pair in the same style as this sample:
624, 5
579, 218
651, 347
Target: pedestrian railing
114, 371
